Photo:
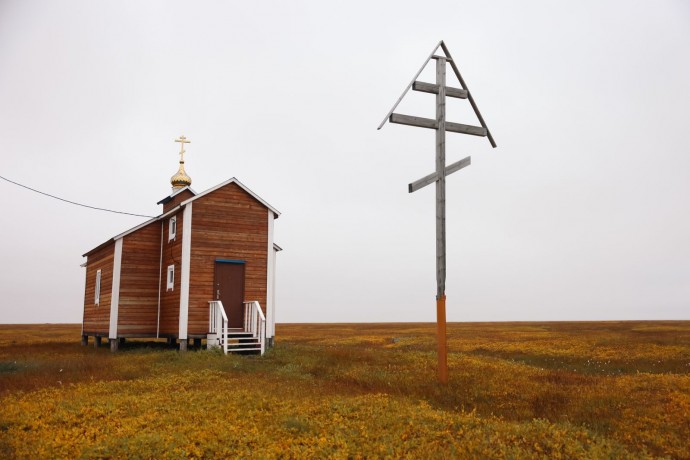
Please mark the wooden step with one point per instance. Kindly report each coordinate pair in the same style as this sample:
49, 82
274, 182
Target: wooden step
244, 350
243, 344
234, 343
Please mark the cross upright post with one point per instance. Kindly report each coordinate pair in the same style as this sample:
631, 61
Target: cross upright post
439, 176
441, 221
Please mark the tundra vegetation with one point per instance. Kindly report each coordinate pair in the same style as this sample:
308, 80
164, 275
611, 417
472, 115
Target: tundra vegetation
516, 390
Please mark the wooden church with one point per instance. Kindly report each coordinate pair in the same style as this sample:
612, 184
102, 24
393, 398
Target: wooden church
203, 269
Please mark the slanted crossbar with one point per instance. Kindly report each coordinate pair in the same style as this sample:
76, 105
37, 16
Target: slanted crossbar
433, 177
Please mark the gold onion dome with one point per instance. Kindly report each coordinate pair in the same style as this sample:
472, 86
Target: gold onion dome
181, 179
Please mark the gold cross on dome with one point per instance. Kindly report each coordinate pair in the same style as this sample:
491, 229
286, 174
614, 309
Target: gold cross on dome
182, 140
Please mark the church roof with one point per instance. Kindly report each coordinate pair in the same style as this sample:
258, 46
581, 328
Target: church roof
196, 196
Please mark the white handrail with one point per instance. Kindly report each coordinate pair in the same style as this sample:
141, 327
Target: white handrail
255, 322
216, 318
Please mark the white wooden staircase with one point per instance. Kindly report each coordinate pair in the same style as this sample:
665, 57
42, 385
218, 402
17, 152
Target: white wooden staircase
250, 339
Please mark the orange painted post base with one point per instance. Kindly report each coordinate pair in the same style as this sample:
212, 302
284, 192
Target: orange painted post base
441, 339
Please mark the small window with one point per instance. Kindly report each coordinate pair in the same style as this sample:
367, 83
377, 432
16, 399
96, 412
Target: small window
172, 228
97, 294
171, 277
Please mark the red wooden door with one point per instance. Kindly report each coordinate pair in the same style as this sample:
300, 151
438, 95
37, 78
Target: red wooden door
229, 287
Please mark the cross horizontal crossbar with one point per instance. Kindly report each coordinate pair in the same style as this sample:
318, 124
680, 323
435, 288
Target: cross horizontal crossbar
421, 122
433, 177
433, 89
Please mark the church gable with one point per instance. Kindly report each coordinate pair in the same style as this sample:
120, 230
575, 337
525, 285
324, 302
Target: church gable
239, 185
231, 199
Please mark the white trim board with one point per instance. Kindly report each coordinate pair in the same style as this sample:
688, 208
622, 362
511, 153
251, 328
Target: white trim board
270, 279
115, 292
185, 270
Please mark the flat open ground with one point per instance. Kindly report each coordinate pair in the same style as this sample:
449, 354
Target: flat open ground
517, 390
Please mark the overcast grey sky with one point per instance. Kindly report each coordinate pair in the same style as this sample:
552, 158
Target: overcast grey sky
582, 212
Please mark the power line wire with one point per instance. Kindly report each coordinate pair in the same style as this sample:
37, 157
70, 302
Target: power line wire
72, 202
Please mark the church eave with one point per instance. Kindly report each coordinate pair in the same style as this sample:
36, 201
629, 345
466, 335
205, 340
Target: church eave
175, 193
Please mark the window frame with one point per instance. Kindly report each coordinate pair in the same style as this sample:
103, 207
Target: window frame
170, 278
97, 289
172, 228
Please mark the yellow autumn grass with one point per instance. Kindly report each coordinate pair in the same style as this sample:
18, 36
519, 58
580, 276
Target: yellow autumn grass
516, 390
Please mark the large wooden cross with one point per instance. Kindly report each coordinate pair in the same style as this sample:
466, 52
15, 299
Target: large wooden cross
439, 176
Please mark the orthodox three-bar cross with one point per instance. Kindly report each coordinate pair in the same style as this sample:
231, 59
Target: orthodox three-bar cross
182, 140
439, 176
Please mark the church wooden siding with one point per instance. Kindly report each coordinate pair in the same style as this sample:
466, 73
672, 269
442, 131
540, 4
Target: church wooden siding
97, 317
170, 300
138, 306
177, 199
228, 223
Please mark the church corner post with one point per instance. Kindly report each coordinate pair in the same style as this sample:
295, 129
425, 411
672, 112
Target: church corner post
439, 124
